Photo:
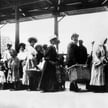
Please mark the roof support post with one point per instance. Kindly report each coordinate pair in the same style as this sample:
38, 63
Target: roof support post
56, 29
0, 40
0, 44
17, 27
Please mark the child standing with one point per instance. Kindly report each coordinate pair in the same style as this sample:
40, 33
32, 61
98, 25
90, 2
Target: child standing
13, 66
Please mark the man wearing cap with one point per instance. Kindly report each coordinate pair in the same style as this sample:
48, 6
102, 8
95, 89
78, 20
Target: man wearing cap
72, 57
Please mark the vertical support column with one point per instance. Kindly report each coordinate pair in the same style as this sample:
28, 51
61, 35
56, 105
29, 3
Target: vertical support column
0, 44
17, 27
56, 29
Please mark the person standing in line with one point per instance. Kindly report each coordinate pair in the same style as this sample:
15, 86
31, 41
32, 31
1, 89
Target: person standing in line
6, 56
2, 75
72, 58
97, 73
82, 53
105, 46
13, 70
90, 56
22, 56
45, 47
40, 53
30, 61
48, 82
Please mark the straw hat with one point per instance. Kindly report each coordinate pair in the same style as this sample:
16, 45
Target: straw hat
9, 44
54, 38
32, 39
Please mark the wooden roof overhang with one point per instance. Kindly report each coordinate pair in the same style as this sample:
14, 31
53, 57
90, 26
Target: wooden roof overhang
40, 9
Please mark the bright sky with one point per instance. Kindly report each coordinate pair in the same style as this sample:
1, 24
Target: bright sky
90, 27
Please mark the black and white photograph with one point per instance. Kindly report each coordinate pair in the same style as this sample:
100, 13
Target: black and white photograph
53, 53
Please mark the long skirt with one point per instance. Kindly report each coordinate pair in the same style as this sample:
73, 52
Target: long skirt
21, 69
97, 76
48, 80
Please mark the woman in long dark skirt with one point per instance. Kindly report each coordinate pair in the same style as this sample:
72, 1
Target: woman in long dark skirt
48, 80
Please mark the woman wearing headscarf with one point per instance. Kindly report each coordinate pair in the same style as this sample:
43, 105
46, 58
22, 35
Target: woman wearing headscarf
97, 72
48, 80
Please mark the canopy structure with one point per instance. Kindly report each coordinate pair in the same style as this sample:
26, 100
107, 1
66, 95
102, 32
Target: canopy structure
38, 9
15, 11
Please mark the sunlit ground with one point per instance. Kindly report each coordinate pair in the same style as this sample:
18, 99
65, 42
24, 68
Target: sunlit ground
64, 99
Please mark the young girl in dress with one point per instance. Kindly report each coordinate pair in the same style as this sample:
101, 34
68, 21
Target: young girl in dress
13, 66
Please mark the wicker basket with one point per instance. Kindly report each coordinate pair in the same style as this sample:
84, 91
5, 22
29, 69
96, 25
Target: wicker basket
78, 72
34, 78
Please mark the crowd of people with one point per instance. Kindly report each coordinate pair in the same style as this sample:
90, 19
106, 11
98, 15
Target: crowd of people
33, 67
96, 62
40, 67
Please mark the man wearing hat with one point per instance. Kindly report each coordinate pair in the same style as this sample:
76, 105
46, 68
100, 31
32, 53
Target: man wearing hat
72, 57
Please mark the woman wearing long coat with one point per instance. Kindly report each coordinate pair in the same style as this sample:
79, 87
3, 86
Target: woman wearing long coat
48, 80
97, 72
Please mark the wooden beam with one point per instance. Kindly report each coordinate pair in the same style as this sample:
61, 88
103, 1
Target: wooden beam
17, 27
23, 4
50, 2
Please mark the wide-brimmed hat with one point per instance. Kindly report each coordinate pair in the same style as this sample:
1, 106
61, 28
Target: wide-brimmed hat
23, 45
9, 44
54, 38
32, 39
75, 35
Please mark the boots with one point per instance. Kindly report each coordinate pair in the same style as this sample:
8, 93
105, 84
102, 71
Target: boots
74, 87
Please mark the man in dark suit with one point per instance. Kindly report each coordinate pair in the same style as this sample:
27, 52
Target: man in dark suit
82, 53
72, 58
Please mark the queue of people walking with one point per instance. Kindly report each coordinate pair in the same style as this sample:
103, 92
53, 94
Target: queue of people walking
22, 68
37, 67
